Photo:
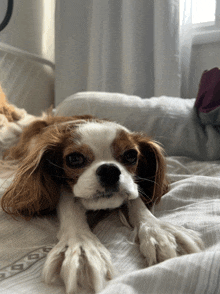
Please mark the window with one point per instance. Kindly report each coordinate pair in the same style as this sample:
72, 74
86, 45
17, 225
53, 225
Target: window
202, 19
203, 11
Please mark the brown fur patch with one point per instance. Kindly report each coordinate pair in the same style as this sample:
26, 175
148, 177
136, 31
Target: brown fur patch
74, 173
124, 141
150, 170
9, 110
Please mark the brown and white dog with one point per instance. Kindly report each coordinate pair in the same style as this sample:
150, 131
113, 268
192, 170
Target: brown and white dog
78, 164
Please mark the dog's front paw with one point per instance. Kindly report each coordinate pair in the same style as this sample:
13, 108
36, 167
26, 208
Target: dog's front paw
162, 241
83, 263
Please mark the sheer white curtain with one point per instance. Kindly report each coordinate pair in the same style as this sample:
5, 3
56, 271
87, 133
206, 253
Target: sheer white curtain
180, 24
104, 45
185, 45
166, 48
199, 24
119, 46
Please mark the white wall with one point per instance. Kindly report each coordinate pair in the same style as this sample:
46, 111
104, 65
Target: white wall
3, 9
27, 83
204, 57
27, 26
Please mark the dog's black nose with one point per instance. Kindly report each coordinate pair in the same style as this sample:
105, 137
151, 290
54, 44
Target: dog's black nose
108, 174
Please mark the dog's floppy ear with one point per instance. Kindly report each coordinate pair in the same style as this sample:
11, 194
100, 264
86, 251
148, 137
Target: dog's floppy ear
35, 189
151, 171
36, 186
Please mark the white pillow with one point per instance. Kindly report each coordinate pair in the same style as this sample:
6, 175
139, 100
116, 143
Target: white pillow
169, 120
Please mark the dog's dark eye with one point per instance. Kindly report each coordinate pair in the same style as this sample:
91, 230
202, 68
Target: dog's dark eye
130, 156
75, 160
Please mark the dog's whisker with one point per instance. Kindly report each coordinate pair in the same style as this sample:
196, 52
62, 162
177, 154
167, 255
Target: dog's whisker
60, 177
137, 178
54, 164
142, 193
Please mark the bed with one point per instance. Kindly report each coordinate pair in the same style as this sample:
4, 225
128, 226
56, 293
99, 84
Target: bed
193, 152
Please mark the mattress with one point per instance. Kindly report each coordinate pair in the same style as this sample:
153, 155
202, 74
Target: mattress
193, 202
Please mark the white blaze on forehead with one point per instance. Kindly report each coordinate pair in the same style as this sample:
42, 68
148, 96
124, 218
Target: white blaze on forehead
99, 137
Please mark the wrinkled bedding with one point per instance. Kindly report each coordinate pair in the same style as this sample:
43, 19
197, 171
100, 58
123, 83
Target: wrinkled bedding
193, 202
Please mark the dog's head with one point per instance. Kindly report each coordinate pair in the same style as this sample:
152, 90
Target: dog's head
102, 163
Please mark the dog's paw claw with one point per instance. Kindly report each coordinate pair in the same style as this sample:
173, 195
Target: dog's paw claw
163, 241
86, 264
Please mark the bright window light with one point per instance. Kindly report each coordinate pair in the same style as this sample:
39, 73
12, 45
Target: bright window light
203, 11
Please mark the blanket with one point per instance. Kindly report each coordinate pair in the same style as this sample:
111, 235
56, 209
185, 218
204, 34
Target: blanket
193, 202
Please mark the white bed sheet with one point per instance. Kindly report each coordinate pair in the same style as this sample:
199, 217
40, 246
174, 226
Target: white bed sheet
193, 201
